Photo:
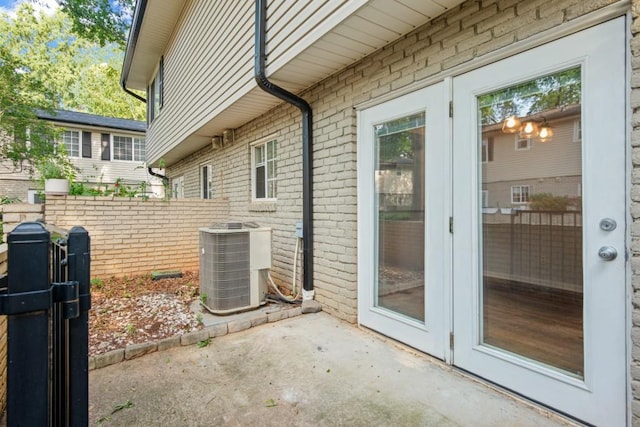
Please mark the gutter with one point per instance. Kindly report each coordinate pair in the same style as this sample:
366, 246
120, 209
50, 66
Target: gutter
131, 47
164, 178
307, 151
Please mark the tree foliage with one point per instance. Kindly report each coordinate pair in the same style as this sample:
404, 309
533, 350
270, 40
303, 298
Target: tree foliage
82, 75
44, 65
20, 96
532, 97
100, 21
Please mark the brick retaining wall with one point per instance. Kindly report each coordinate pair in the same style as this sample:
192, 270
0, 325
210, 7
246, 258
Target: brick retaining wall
135, 236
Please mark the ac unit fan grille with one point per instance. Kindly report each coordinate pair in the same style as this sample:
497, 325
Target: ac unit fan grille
224, 270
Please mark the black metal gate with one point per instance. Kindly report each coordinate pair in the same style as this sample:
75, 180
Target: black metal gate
47, 299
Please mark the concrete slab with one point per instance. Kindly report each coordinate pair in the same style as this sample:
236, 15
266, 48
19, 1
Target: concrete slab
310, 370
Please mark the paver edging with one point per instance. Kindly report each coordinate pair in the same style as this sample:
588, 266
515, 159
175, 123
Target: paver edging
133, 351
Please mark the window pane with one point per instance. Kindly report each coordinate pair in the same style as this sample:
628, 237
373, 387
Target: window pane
259, 155
260, 182
122, 148
271, 169
399, 197
271, 150
204, 176
71, 141
139, 150
531, 228
272, 189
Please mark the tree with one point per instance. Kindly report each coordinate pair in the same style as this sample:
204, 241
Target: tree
100, 21
24, 139
82, 75
533, 97
45, 66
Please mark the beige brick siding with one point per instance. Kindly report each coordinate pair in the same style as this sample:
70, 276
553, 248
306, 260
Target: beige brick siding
14, 214
18, 188
134, 236
470, 30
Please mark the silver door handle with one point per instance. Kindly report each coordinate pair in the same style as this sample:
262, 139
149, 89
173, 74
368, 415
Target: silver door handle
608, 253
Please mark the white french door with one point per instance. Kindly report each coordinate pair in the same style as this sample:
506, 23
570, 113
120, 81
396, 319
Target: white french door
402, 234
531, 279
539, 209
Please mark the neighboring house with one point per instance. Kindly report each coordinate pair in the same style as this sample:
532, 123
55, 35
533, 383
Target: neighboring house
471, 171
103, 149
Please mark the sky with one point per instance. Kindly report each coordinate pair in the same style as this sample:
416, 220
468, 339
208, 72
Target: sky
10, 5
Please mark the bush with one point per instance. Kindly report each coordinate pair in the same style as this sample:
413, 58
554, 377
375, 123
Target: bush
549, 202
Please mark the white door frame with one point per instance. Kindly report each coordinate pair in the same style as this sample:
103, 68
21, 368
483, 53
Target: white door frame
431, 336
366, 250
595, 50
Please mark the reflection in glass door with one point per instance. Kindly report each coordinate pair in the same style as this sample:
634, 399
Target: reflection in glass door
399, 202
531, 220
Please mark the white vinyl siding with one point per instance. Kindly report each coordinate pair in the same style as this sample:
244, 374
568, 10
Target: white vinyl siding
558, 158
196, 64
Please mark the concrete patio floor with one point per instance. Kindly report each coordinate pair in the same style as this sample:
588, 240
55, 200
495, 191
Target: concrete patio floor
309, 370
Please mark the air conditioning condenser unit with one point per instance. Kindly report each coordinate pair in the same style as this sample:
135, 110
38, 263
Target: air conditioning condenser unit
234, 263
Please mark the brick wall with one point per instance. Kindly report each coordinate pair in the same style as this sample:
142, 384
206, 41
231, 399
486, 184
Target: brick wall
15, 213
134, 236
462, 34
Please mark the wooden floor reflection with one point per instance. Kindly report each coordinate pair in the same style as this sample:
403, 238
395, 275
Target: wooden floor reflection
537, 323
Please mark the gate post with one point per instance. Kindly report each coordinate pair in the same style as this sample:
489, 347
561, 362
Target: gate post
79, 261
28, 333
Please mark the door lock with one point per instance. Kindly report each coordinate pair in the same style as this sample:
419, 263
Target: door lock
608, 224
608, 253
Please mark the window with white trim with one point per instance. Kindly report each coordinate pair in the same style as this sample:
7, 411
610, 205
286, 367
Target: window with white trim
577, 130
71, 141
265, 170
485, 198
177, 188
520, 194
206, 178
522, 143
487, 149
156, 93
130, 148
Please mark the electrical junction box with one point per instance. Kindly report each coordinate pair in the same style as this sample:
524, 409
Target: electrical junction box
299, 229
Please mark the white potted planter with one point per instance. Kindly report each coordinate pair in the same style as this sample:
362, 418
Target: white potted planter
56, 186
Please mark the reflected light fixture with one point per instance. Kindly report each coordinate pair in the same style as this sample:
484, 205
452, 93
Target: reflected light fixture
529, 130
511, 125
545, 133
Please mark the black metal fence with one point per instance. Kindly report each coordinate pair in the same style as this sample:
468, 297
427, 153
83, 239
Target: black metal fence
546, 247
47, 299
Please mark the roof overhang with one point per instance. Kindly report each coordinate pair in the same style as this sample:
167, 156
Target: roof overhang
358, 30
153, 23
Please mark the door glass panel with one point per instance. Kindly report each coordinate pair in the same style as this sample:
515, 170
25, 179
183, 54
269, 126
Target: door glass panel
530, 149
399, 200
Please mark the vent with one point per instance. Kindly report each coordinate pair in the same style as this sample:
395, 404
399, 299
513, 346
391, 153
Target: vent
233, 264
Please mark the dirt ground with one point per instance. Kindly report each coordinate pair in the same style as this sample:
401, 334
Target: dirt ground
137, 309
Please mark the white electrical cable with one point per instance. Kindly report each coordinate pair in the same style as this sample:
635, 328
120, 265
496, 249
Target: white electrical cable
293, 285
275, 287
